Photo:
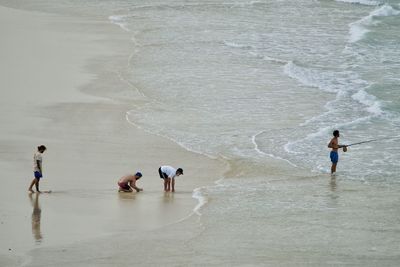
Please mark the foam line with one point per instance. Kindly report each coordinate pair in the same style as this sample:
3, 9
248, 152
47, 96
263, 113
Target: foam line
120, 21
256, 148
361, 2
358, 29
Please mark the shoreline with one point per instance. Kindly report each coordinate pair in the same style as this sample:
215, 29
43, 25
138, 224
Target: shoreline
85, 131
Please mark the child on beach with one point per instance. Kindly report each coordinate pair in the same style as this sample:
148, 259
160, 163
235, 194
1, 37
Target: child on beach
334, 155
37, 168
168, 173
128, 182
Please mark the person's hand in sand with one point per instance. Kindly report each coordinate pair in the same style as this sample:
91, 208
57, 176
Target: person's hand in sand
37, 168
168, 174
128, 182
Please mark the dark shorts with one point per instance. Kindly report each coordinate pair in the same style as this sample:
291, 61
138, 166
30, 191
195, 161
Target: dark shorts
124, 186
37, 175
163, 175
334, 157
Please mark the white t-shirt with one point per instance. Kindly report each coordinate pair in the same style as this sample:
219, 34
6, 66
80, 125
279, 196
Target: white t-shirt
37, 157
169, 171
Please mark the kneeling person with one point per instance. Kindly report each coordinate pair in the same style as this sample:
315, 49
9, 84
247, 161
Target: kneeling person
128, 182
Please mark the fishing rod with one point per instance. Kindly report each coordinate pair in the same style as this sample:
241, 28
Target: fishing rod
373, 140
367, 141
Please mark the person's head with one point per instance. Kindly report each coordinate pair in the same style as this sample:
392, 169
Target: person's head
336, 133
179, 171
41, 148
138, 175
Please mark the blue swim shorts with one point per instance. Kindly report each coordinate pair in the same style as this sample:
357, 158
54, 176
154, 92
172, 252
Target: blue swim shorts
334, 156
38, 175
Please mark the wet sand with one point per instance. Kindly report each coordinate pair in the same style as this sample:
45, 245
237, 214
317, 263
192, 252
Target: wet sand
58, 91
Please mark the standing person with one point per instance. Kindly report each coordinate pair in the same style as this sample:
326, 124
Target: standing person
128, 182
168, 173
334, 155
37, 168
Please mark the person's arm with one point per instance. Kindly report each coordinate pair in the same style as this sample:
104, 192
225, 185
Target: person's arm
133, 185
331, 144
39, 165
340, 146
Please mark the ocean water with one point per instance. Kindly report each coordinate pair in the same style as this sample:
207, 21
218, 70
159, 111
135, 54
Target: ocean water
254, 79
261, 84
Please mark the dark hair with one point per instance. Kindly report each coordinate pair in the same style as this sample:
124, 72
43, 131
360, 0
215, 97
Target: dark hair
41, 148
179, 170
138, 175
336, 133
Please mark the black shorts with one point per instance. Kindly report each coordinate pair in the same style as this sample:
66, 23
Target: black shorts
163, 175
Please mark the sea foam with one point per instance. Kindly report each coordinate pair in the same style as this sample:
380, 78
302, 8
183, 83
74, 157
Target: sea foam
236, 45
359, 28
119, 20
259, 151
311, 77
373, 105
361, 2
201, 198
340, 83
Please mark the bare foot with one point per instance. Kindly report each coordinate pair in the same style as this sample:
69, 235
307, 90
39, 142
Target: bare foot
31, 191
125, 191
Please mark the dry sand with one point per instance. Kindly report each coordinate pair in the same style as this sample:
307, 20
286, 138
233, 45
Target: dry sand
59, 88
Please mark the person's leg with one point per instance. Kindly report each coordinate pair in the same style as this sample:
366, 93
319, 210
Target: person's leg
37, 185
165, 184
333, 168
164, 177
173, 185
168, 184
32, 183
124, 188
121, 189
334, 159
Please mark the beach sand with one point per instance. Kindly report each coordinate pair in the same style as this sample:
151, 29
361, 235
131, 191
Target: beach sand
57, 91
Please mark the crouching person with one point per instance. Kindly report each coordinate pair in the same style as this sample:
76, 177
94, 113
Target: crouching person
127, 183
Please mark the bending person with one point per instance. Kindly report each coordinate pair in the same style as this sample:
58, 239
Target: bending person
168, 174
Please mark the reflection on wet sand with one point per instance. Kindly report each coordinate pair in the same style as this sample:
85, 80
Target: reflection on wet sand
126, 195
333, 184
36, 216
168, 197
